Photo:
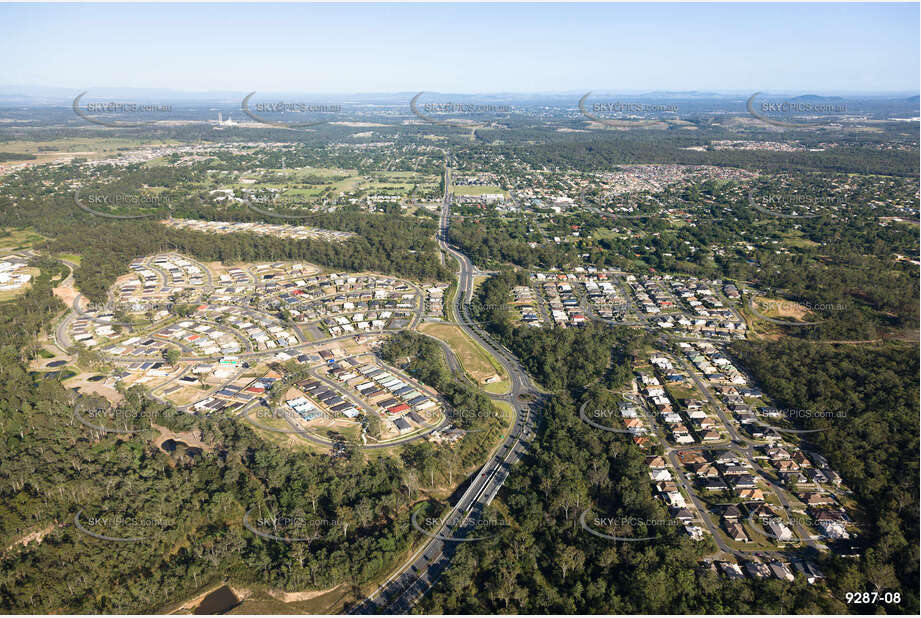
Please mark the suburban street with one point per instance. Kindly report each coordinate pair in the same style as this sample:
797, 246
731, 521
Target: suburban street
418, 574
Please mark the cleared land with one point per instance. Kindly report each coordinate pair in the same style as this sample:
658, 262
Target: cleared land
84, 147
17, 240
475, 360
780, 308
477, 190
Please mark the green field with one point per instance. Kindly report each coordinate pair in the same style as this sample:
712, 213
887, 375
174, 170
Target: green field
313, 182
16, 240
86, 147
476, 189
477, 363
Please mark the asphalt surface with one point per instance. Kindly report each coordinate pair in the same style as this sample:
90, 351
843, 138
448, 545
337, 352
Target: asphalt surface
417, 575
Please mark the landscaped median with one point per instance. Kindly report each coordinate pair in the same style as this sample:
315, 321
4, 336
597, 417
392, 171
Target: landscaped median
477, 363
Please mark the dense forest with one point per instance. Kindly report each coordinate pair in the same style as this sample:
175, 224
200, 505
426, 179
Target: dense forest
352, 512
546, 563
868, 397
600, 150
557, 358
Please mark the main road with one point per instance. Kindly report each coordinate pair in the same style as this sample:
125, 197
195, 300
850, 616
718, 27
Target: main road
418, 574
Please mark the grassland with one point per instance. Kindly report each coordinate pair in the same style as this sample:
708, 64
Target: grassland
309, 183
476, 189
85, 147
17, 240
780, 309
508, 412
477, 363
10, 294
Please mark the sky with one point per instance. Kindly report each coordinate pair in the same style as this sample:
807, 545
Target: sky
464, 48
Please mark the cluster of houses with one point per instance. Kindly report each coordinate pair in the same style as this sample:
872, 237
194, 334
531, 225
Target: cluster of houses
298, 232
690, 422
320, 395
146, 284
526, 303
650, 294
180, 270
719, 472
708, 315
757, 569
345, 324
303, 406
370, 300
209, 340
238, 393
156, 279
564, 306
605, 298
144, 371
690, 304
435, 299
396, 398
634, 423
701, 299
91, 331
482, 198
667, 490
600, 289
10, 278
264, 331
715, 366
810, 475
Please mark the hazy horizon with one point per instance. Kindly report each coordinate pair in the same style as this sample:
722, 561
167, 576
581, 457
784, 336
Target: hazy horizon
822, 49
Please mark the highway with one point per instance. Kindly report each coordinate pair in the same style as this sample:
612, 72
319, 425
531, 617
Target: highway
418, 574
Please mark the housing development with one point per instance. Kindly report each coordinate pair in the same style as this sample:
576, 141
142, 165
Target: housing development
390, 309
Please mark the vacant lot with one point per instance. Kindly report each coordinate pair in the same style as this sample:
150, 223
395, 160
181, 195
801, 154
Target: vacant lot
17, 240
84, 147
475, 360
780, 308
477, 190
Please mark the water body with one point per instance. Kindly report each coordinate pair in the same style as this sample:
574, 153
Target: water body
59, 375
178, 449
218, 602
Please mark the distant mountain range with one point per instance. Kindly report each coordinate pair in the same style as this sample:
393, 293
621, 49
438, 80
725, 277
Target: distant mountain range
54, 96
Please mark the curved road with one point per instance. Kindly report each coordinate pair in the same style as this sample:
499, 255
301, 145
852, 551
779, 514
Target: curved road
419, 573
